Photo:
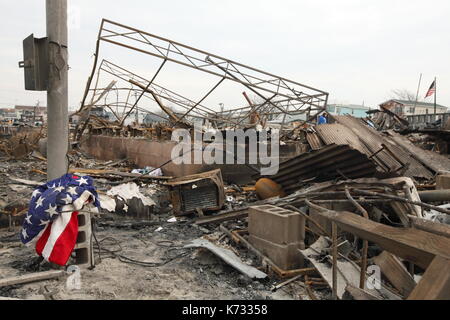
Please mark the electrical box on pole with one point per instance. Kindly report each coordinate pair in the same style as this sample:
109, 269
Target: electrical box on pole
35, 63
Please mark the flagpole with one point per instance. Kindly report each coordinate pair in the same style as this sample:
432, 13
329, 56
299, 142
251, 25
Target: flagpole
417, 96
435, 98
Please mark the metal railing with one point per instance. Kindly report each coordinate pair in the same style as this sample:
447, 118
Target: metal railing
428, 121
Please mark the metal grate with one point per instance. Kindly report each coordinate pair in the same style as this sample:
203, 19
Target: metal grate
203, 197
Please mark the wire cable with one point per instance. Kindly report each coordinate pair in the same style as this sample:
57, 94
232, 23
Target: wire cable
122, 258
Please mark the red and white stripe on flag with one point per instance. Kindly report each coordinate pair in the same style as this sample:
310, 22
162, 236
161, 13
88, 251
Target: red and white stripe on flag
59, 239
432, 90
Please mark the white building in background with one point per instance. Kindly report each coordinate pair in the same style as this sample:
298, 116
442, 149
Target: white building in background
410, 108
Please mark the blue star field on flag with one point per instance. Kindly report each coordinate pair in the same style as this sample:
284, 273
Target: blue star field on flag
48, 200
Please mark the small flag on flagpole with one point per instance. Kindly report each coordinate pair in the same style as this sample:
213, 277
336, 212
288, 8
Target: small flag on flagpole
432, 90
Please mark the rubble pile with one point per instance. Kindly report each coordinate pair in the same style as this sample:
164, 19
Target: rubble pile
359, 208
355, 200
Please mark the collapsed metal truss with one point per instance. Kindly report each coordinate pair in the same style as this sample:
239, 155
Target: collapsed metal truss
280, 96
137, 84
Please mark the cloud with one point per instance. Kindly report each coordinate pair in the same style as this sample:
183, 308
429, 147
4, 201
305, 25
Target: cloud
355, 50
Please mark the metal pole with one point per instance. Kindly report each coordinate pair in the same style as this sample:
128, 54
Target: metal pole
334, 233
435, 98
365, 249
137, 109
417, 96
57, 94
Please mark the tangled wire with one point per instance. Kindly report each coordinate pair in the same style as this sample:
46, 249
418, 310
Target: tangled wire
115, 253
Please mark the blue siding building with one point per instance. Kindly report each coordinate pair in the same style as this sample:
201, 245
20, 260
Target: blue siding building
352, 109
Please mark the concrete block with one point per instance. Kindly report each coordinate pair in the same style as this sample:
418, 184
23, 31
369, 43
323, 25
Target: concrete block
286, 257
276, 225
84, 250
443, 182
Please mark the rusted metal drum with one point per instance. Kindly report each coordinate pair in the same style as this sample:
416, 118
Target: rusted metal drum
266, 189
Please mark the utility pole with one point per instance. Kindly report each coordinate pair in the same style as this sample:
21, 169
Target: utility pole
57, 93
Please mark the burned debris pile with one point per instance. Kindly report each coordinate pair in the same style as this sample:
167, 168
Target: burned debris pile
357, 208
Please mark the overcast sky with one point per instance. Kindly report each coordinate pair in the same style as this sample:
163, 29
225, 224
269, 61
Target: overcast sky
355, 50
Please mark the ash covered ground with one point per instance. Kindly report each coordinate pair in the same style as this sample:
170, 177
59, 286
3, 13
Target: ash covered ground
192, 274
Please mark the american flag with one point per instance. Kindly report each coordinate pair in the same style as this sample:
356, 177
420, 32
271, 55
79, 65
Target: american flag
432, 90
52, 219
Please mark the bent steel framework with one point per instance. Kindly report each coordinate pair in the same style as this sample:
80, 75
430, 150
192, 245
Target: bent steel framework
280, 96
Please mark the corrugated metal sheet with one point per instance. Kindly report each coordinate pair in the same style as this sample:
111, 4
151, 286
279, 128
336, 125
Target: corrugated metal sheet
314, 140
355, 133
372, 139
433, 160
339, 134
328, 163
